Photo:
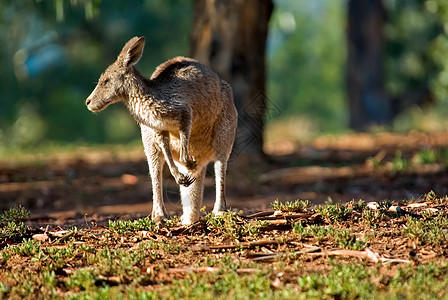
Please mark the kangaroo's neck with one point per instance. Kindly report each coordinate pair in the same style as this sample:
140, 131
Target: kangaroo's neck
140, 95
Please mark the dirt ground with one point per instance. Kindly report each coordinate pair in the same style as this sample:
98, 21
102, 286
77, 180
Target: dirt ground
88, 188
114, 181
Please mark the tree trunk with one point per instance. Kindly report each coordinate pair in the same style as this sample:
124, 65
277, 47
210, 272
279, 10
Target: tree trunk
368, 102
230, 37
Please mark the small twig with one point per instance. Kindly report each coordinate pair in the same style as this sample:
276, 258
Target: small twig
366, 254
260, 214
64, 237
271, 256
266, 257
246, 245
193, 270
85, 220
208, 270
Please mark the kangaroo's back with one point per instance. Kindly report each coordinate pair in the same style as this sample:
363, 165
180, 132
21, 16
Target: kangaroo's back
186, 79
184, 72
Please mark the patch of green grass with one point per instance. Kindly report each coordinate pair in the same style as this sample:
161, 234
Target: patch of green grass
384, 205
371, 218
290, 206
431, 156
428, 231
28, 247
58, 256
342, 281
117, 262
350, 281
11, 222
432, 197
14, 214
81, 280
312, 231
168, 246
122, 227
12, 230
359, 206
428, 156
333, 212
226, 262
344, 238
232, 225
399, 164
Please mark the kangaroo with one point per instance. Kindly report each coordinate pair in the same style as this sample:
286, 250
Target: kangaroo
187, 119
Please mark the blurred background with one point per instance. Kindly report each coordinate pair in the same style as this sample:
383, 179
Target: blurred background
348, 99
331, 65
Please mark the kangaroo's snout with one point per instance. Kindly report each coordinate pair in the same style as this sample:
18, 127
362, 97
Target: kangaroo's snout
88, 101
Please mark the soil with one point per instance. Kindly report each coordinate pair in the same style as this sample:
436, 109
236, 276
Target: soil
115, 181
88, 188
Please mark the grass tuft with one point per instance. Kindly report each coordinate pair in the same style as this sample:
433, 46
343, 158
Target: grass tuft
334, 213
232, 225
344, 238
14, 214
11, 222
428, 231
290, 206
130, 226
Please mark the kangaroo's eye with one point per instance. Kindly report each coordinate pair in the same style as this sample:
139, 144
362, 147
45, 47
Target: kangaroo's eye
105, 81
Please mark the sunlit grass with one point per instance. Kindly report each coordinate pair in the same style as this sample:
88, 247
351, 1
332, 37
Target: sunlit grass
49, 150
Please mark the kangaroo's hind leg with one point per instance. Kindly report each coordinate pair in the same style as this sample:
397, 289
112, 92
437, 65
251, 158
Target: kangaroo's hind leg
220, 178
156, 160
225, 129
191, 197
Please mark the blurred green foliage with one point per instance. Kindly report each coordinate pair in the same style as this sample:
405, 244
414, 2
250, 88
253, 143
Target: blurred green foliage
417, 43
306, 62
53, 52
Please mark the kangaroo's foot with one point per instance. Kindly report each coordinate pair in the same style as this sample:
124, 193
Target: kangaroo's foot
218, 212
158, 217
188, 219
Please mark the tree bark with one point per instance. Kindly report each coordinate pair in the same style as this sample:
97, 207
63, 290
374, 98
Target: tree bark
230, 37
368, 102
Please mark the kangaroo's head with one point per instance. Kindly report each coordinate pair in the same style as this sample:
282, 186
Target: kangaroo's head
111, 86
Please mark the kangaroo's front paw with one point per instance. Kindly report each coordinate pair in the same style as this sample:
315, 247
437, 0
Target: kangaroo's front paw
185, 180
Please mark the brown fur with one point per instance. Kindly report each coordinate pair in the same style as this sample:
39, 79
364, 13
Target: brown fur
187, 118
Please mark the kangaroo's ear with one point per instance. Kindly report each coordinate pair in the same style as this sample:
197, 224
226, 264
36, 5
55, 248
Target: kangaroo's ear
132, 51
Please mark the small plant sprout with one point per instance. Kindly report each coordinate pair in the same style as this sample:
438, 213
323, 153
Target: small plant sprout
290, 206
384, 205
14, 214
11, 222
334, 212
232, 225
137, 225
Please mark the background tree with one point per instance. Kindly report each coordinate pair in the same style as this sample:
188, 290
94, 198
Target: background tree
230, 37
368, 102
389, 66
53, 52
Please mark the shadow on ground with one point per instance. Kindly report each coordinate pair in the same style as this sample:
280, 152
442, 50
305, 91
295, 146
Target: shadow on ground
371, 167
